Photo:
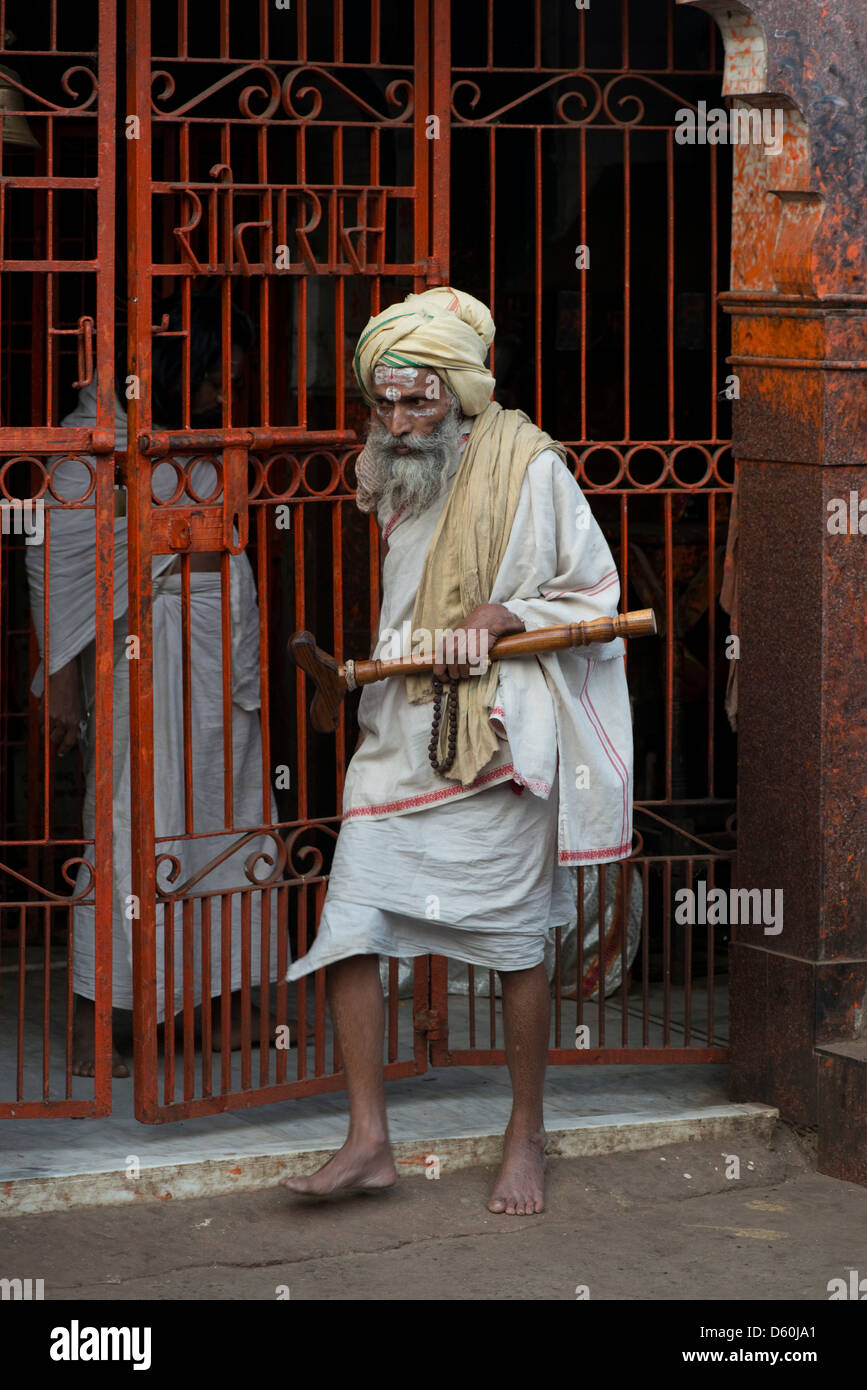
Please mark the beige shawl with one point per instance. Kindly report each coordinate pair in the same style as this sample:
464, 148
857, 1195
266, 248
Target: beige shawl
463, 559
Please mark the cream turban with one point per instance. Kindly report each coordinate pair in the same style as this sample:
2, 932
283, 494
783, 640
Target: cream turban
444, 329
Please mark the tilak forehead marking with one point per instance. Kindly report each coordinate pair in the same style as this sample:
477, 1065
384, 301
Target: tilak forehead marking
403, 376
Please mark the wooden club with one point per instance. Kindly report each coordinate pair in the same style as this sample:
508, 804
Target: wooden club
333, 678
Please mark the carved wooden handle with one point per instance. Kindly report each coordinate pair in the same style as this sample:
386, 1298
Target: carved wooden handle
333, 679
640, 623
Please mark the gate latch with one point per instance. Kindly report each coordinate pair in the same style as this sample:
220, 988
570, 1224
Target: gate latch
83, 331
235, 499
179, 528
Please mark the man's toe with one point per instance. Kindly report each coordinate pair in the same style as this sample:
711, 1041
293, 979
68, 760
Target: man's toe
295, 1184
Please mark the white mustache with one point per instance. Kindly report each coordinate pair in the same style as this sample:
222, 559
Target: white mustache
417, 474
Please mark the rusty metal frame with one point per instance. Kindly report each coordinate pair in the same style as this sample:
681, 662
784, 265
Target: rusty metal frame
39, 906
234, 255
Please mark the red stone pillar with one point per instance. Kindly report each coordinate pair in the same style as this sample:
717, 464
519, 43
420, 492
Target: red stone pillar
798, 302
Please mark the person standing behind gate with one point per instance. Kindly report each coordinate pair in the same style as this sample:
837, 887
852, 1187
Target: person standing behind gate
462, 813
72, 619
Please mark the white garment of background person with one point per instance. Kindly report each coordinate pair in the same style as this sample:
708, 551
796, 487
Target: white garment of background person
72, 627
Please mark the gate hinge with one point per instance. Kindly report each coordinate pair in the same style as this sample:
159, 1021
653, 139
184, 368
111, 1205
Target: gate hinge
428, 1021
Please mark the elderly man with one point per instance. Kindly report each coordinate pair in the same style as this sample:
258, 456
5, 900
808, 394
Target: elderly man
457, 829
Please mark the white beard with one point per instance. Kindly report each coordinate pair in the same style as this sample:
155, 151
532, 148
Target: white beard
416, 477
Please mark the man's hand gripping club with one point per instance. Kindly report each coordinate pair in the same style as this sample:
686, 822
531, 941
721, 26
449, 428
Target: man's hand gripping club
488, 622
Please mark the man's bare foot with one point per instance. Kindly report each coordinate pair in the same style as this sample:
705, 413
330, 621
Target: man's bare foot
520, 1186
83, 1045
358, 1164
235, 1025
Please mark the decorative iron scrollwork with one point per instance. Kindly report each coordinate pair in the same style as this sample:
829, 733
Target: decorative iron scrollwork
271, 92
524, 97
391, 96
310, 852
277, 861
712, 851
288, 860
69, 871
43, 105
584, 89
282, 95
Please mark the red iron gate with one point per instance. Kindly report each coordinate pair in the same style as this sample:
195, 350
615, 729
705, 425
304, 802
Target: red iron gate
308, 167
57, 207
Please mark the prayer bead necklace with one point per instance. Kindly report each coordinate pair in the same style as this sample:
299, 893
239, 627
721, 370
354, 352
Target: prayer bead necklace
452, 706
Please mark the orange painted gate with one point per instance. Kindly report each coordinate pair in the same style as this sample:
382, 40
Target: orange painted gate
269, 178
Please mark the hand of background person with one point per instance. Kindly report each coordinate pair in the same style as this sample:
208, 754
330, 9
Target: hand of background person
64, 707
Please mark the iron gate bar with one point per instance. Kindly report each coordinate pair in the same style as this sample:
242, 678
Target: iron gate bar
40, 442
138, 170
157, 443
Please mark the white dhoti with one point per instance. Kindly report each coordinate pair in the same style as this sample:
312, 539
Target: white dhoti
496, 914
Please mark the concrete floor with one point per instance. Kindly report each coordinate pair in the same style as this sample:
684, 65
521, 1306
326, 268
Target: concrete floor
670, 1223
456, 1111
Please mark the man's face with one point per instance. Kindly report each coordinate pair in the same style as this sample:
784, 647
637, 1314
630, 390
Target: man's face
414, 436
206, 402
410, 401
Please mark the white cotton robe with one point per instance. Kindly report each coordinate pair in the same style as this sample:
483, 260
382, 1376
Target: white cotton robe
72, 627
479, 873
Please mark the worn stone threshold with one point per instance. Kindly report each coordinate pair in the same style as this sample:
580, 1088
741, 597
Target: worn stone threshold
439, 1122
